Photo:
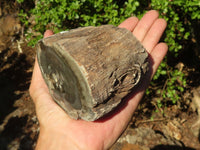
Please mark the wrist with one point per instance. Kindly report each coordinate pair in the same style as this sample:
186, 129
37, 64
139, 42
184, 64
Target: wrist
54, 140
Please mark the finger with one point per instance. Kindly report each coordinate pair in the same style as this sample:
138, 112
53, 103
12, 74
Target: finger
157, 55
154, 34
48, 33
145, 24
129, 23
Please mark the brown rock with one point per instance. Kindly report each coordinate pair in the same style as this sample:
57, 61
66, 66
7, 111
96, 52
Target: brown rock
89, 70
9, 25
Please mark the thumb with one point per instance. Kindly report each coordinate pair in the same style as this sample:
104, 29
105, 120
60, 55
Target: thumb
48, 33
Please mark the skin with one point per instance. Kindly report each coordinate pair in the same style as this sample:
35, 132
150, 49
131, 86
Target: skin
59, 131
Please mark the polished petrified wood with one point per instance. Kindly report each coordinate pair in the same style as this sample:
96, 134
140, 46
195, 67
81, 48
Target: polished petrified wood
90, 70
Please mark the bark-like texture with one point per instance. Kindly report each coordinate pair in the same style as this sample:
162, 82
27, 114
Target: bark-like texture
89, 70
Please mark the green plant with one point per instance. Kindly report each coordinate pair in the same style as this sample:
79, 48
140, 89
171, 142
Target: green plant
173, 86
179, 15
20, 1
63, 15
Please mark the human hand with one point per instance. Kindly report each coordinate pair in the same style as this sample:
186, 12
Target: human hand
59, 131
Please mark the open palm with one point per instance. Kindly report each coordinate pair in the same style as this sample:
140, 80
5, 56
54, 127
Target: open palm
59, 131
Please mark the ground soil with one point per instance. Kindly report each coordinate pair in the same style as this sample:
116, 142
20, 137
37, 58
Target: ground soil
177, 129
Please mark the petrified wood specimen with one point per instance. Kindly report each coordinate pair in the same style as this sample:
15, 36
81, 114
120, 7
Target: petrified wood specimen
89, 70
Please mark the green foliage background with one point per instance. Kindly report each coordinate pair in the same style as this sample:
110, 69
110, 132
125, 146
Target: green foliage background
180, 15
